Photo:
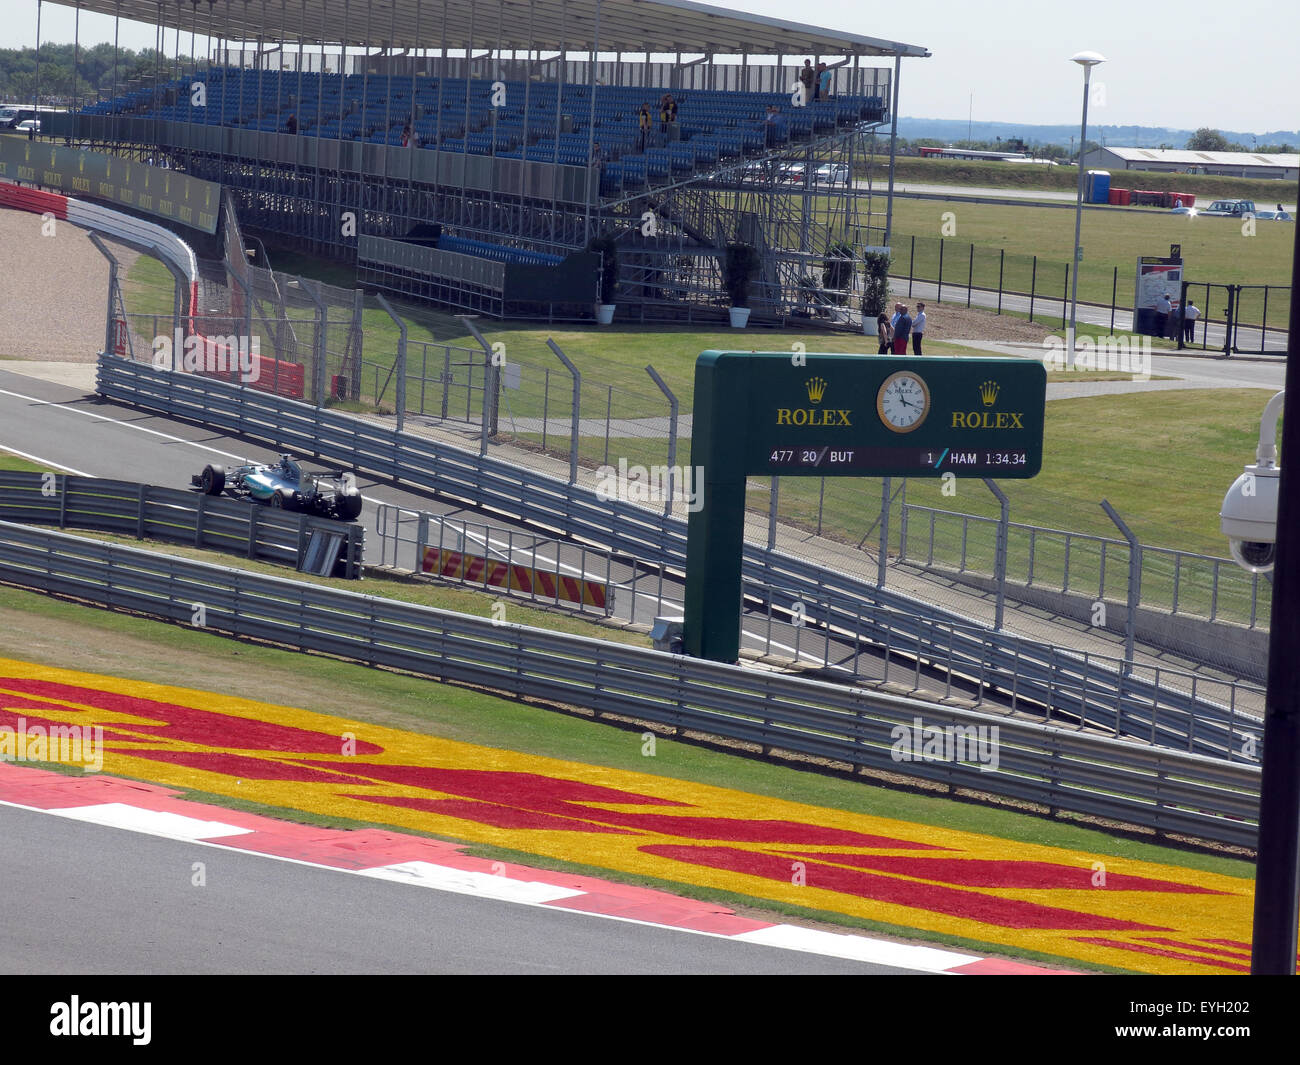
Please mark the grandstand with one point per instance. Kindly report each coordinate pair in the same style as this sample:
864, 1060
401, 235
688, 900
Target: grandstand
507, 134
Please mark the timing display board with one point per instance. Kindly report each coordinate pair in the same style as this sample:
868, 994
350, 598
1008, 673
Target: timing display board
166, 194
836, 415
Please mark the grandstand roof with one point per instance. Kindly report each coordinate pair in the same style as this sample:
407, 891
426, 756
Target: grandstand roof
635, 26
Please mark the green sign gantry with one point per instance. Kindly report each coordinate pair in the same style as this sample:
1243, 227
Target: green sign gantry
828, 415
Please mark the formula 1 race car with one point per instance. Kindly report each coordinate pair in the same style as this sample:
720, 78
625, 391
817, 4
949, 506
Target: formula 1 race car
284, 484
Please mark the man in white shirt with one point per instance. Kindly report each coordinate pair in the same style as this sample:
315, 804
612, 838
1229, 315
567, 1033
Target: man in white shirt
918, 328
1190, 313
1163, 309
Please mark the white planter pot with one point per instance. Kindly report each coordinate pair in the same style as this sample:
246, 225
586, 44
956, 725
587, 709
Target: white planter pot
739, 317
605, 313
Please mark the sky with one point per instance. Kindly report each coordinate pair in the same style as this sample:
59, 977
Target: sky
1186, 65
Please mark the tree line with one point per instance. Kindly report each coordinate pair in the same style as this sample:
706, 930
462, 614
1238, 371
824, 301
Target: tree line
97, 70
1204, 139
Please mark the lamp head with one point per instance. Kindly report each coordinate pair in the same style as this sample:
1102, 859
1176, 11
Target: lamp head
1087, 60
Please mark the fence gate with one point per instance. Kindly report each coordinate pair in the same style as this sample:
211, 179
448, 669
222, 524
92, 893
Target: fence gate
1239, 319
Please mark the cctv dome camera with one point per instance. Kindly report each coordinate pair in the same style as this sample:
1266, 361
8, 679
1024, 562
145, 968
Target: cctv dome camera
1257, 556
1249, 518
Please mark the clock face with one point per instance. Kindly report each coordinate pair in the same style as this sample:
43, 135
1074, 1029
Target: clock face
903, 401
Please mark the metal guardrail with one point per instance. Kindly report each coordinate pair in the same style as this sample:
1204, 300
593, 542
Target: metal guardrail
1163, 707
191, 518
1179, 582
1171, 792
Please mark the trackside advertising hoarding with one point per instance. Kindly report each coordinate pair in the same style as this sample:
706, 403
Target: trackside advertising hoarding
164, 193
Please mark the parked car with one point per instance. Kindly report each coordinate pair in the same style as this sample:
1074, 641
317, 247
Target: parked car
1230, 208
30, 125
832, 174
285, 484
1189, 211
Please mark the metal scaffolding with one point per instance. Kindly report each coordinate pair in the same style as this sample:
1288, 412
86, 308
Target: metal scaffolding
515, 136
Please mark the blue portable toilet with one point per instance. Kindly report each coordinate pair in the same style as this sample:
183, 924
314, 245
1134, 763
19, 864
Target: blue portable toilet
1096, 186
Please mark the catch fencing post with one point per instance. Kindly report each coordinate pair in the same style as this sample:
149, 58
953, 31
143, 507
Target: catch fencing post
178, 331
574, 422
672, 438
112, 287
401, 363
1000, 558
772, 505
885, 486
1134, 583
318, 348
489, 386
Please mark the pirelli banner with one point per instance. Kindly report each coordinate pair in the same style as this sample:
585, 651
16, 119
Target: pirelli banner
165, 194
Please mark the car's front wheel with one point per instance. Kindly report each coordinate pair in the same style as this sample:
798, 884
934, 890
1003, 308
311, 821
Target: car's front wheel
277, 500
213, 480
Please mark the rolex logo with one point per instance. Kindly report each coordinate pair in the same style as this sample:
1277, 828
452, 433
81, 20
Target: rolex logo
989, 392
816, 389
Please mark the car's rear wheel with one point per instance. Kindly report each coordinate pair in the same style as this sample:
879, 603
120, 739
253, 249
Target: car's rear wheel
213, 480
348, 508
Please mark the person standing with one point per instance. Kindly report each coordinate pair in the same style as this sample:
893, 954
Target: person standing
885, 332
807, 79
901, 328
643, 127
823, 82
667, 118
1190, 313
918, 329
1163, 309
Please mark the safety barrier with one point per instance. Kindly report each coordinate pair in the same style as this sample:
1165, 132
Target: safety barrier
1108, 695
1168, 791
190, 518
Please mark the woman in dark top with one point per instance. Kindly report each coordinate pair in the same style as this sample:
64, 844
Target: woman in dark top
885, 333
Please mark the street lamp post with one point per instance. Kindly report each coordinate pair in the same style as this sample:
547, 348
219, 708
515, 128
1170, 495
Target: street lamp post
1087, 60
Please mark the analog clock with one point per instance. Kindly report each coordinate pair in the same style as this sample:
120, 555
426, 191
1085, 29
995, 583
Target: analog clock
903, 401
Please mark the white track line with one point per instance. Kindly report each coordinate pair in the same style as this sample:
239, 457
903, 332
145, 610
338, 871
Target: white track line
42, 462
115, 421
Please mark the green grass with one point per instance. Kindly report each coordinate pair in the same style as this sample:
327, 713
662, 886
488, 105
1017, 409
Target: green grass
1213, 249
910, 170
406, 589
75, 637
16, 465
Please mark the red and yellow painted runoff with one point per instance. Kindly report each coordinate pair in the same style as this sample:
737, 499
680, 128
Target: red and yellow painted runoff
1129, 914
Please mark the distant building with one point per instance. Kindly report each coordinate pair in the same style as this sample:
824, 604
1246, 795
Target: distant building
1181, 161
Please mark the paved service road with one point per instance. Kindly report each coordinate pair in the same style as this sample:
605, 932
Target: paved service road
88, 899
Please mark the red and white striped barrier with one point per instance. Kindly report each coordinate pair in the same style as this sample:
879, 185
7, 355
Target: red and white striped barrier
496, 573
215, 358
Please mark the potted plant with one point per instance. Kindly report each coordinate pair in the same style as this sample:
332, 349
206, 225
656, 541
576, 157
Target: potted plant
739, 268
837, 272
607, 248
875, 288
